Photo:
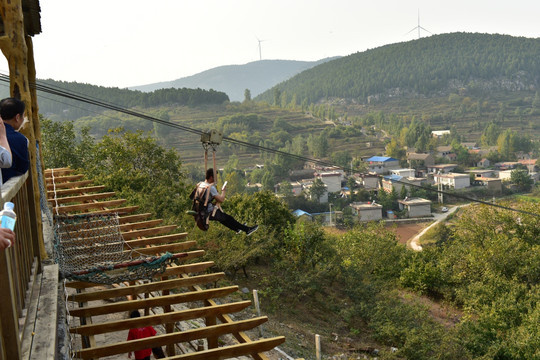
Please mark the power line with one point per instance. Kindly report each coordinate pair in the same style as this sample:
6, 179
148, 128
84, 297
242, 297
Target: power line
94, 101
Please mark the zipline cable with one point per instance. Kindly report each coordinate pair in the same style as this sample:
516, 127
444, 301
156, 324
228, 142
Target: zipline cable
94, 101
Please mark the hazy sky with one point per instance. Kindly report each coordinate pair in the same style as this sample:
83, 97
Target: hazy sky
135, 42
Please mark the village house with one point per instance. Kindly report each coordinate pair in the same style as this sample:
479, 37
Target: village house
403, 172
382, 164
443, 168
493, 185
505, 175
367, 211
444, 151
420, 162
483, 163
416, 207
507, 165
308, 184
530, 164
481, 173
397, 182
332, 180
439, 133
453, 180
370, 181
470, 145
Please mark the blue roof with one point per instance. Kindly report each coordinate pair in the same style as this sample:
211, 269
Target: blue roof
393, 177
299, 213
381, 158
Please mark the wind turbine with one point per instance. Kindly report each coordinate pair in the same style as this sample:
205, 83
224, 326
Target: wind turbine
419, 27
260, 53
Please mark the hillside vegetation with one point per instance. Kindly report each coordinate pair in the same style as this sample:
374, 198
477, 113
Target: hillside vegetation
423, 67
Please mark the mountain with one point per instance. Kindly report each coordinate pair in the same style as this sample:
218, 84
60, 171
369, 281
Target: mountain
233, 80
435, 65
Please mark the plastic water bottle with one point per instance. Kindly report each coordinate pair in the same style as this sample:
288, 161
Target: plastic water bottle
8, 216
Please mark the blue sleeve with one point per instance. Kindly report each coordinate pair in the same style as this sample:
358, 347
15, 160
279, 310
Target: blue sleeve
213, 191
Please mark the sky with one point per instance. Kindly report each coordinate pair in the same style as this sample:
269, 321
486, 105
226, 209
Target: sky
122, 43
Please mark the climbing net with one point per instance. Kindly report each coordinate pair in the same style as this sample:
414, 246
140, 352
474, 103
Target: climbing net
91, 248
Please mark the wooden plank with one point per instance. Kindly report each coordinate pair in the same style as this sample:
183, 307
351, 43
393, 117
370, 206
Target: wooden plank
140, 225
83, 198
58, 171
44, 344
172, 248
87, 206
186, 269
28, 329
69, 185
237, 350
146, 288
158, 301
120, 211
165, 318
148, 232
160, 340
66, 178
131, 218
156, 240
82, 190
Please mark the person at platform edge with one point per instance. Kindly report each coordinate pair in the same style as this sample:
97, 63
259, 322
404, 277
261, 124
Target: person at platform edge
12, 113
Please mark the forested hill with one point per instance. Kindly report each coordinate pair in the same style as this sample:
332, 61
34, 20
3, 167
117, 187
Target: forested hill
424, 67
256, 76
51, 105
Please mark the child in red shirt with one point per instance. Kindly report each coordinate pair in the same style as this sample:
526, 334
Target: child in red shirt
140, 333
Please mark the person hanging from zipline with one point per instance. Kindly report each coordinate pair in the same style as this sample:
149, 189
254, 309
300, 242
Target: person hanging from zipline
205, 209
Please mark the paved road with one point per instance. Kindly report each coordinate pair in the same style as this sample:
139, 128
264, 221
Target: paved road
438, 217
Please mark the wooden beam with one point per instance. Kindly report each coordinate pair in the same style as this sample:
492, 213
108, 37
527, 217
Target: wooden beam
172, 248
159, 319
69, 185
233, 351
65, 179
83, 198
186, 269
140, 225
57, 172
158, 301
132, 218
119, 211
148, 232
146, 288
164, 239
81, 207
160, 340
64, 192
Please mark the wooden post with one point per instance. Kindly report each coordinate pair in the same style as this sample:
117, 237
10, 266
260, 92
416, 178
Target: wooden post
317, 346
258, 308
15, 49
11, 343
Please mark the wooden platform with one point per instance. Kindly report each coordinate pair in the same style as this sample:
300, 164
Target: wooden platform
185, 304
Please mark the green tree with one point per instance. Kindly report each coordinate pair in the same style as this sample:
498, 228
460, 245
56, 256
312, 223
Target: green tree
318, 189
521, 179
247, 96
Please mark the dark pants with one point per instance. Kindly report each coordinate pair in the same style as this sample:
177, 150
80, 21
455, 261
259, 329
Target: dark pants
228, 221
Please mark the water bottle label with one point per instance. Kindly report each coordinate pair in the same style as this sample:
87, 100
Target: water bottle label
7, 223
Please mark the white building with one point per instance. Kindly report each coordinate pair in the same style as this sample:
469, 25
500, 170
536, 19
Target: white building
332, 180
382, 164
366, 211
416, 207
453, 180
403, 172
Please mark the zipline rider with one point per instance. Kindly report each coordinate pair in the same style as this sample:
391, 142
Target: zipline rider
214, 211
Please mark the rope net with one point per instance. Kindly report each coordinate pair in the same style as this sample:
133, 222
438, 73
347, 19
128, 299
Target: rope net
90, 248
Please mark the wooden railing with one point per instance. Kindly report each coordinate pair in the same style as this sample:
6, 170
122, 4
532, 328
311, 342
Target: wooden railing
19, 265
